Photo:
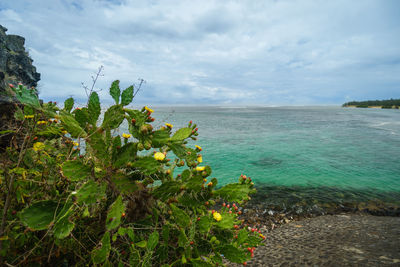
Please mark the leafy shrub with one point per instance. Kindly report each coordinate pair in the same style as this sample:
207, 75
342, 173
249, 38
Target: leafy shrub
108, 203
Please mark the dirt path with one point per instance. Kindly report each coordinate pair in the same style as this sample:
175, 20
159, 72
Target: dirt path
333, 240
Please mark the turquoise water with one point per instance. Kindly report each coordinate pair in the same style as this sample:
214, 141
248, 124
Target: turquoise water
331, 148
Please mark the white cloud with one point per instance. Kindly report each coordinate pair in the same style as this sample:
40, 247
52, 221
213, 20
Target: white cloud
262, 52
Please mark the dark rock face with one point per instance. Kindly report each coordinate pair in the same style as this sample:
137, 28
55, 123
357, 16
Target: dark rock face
15, 66
15, 63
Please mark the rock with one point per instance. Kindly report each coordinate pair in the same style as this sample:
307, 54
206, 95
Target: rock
15, 66
15, 63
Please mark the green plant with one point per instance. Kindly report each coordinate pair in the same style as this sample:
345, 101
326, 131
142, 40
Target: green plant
75, 191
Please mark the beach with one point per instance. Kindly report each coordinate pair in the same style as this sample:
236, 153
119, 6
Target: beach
346, 239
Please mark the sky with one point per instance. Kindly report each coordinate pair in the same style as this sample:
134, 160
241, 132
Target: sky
204, 52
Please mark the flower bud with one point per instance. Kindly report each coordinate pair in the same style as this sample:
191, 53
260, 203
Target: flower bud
144, 129
140, 146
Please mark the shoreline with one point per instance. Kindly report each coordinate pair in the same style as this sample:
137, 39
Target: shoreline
377, 107
269, 220
347, 239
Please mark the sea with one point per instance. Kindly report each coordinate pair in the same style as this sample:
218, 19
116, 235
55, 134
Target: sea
317, 159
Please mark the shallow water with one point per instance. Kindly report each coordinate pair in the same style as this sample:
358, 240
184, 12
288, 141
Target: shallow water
340, 149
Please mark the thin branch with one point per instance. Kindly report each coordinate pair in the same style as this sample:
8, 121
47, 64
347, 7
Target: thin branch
141, 82
94, 81
26, 254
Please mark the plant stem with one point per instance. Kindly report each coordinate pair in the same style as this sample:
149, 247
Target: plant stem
10, 192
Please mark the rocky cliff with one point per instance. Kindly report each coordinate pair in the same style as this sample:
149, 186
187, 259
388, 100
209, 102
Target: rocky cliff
15, 67
15, 63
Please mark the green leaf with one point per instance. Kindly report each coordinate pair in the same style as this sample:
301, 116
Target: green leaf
7, 132
19, 115
134, 258
124, 155
153, 240
75, 170
195, 183
115, 213
141, 244
94, 108
140, 117
28, 110
181, 134
242, 236
90, 192
160, 138
186, 175
72, 126
191, 199
82, 116
130, 233
86, 212
227, 222
123, 183
68, 104
115, 91
235, 192
113, 117
63, 227
182, 239
181, 217
178, 149
99, 255
165, 233
121, 231
167, 190
147, 164
127, 96
27, 96
39, 215
204, 224
253, 241
234, 254
50, 131
97, 143
116, 145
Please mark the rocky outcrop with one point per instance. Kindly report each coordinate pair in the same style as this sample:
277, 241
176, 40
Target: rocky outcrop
15, 63
15, 67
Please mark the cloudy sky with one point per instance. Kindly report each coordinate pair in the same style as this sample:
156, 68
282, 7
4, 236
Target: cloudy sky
214, 52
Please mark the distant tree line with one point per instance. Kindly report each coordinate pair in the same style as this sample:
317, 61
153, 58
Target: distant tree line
391, 103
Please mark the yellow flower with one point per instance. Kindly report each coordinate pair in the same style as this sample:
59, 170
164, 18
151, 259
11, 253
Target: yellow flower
124, 135
29, 116
75, 143
198, 147
210, 184
199, 158
217, 216
159, 156
148, 109
64, 132
199, 169
38, 146
169, 125
41, 122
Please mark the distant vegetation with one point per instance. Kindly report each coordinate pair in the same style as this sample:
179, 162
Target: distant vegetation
392, 103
